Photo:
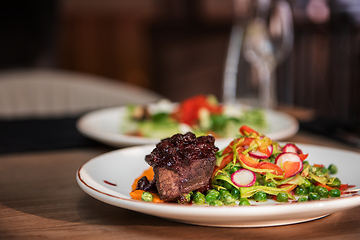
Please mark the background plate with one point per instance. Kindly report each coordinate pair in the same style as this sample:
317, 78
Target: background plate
104, 126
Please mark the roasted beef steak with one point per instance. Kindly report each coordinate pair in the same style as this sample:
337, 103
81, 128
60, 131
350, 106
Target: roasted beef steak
182, 163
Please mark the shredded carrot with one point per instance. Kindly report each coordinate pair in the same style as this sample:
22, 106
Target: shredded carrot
136, 194
342, 187
323, 185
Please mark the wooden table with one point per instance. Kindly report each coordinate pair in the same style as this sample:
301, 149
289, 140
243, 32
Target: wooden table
40, 199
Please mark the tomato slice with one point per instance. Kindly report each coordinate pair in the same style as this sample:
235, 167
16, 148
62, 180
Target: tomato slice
188, 111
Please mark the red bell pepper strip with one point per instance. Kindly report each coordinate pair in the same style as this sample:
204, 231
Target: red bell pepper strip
240, 143
248, 161
303, 156
226, 160
247, 141
229, 148
246, 130
270, 166
215, 171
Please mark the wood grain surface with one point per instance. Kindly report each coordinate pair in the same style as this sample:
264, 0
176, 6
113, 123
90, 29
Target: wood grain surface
40, 199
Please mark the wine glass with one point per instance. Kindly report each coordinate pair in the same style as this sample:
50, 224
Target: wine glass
264, 38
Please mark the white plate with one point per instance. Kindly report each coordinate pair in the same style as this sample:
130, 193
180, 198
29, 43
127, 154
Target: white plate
104, 126
121, 167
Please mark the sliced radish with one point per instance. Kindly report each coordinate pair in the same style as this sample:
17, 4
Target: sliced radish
292, 148
243, 178
261, 155
290, 162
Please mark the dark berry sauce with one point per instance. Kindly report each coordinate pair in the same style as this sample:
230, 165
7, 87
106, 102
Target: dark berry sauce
180, 150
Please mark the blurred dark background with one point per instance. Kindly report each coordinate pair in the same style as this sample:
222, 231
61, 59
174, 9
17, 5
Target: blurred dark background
177, 48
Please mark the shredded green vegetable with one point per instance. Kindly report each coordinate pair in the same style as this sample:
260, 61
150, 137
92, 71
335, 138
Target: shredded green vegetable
310, 181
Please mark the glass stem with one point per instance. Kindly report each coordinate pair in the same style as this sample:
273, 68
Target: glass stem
267, 86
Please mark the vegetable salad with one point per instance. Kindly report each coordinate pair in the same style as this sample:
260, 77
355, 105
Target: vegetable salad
255, 168
200, 114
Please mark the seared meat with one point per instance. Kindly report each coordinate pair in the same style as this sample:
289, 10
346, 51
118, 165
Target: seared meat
182, 163
171, 184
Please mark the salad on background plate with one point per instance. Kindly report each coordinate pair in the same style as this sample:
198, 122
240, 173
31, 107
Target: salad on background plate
133, 125
200, 114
